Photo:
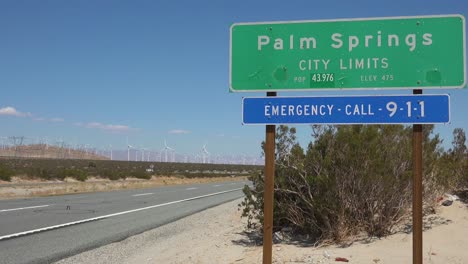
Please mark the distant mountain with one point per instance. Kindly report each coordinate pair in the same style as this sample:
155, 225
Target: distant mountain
48, 151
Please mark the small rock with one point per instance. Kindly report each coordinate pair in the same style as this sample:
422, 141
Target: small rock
278, 237
341, 259
325, 254
447, 203
452, 197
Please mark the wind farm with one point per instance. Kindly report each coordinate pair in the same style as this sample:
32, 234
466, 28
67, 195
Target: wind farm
36, 147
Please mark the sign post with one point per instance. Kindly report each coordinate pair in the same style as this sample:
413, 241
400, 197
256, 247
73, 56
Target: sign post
268, 194
417, 192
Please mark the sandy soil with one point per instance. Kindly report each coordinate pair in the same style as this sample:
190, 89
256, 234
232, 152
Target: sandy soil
21, 188
217, 235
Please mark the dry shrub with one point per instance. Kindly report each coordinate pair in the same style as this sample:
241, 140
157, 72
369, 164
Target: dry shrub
351, 179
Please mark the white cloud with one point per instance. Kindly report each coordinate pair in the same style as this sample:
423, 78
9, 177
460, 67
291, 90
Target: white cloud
178, 131
56, 120
107, 127
52, 120
11, 111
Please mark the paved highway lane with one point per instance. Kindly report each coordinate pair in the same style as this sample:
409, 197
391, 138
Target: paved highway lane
109, 217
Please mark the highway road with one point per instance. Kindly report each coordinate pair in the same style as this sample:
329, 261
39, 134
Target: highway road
47, 229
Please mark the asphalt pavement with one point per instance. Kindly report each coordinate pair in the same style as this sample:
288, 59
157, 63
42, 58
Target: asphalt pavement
47, 229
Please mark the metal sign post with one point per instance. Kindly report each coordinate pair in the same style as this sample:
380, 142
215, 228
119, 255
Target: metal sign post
269, 191
417, 192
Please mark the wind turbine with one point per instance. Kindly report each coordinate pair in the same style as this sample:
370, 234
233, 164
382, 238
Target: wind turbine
205, 154
3, 142
110, 147
128, 150
69, 149
244, 157
166, 147
46, 143
173, 155
198, 158
165, 152
142, 153
172, 152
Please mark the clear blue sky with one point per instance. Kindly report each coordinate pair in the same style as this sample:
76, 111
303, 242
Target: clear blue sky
97, 72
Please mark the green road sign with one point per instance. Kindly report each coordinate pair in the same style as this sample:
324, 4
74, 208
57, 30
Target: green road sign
375, 53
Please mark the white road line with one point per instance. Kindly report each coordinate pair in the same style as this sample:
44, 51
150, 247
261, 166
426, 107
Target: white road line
142, 194
217, 185
22, 208
192, 188
110, 215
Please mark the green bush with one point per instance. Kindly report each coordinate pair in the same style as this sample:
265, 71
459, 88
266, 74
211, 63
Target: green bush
141, 175
42, 173
74, 173
81, 176
92, 164
5, 174
114, 176
110, 174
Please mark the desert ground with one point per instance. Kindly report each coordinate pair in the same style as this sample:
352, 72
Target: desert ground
218, 235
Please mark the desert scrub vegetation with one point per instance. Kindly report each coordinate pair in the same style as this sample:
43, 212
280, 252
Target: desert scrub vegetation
352, 179
59, 169
5, 173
